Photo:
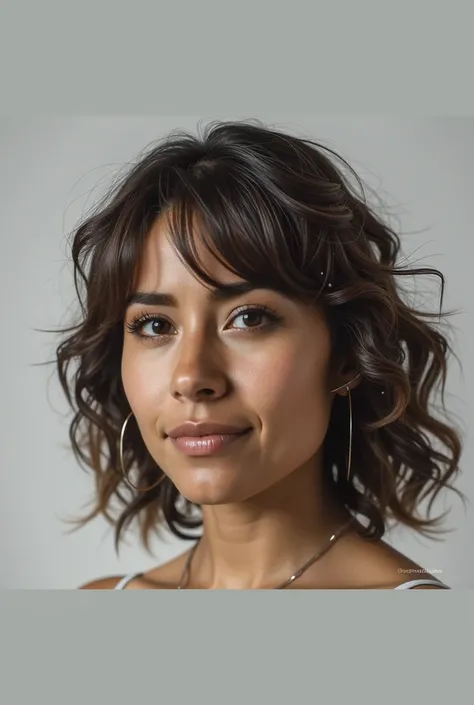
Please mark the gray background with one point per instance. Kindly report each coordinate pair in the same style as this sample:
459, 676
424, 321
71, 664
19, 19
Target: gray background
54, 168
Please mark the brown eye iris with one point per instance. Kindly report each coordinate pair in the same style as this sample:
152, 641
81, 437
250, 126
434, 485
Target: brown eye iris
257, 314
155, 325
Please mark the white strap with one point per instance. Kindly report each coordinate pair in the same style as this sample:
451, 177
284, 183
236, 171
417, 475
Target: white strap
411, 583
125, 580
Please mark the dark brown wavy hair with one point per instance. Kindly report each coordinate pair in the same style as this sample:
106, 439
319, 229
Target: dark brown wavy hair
285, 213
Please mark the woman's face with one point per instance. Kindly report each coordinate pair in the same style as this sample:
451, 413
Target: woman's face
204, 361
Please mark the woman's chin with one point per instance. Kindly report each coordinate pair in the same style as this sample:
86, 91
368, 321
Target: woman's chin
211, 493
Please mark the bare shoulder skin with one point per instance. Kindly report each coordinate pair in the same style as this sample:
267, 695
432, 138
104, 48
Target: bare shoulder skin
366, 564
164, 577
101, 583
354, 564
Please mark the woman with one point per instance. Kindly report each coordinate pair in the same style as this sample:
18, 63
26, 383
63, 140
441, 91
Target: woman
245, 363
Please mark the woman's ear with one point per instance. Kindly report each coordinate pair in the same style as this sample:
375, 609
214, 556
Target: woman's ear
345, 376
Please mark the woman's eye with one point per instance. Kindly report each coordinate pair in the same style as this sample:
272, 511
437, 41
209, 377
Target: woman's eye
156, 326
251, 318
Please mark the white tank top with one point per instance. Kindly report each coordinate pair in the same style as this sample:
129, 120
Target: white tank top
404, 586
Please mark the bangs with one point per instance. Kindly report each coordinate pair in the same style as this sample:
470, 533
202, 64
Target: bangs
247, 230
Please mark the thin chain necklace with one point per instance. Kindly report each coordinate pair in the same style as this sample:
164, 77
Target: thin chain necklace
296, 575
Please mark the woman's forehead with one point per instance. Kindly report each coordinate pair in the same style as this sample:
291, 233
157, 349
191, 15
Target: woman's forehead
160, 262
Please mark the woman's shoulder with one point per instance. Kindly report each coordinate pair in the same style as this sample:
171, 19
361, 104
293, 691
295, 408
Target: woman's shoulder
377, 564
361, 564
108, 583
133, 581
163, 577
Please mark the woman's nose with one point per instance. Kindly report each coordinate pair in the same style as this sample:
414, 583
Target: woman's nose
199, 370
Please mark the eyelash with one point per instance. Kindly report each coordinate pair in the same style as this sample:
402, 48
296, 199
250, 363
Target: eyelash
138, 322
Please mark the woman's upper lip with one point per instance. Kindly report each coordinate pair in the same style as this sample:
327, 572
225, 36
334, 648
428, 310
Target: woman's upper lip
191, 428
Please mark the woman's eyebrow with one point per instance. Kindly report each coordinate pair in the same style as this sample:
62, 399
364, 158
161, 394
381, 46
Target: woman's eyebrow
225, 293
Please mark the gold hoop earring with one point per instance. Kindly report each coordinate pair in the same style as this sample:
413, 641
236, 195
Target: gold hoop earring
124, 474
349, 460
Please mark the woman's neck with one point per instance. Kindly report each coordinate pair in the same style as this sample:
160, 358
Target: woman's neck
261, 542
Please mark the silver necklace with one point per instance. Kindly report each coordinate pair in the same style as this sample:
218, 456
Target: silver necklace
296, 575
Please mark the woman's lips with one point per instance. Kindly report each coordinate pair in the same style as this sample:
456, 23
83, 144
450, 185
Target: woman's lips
206, 445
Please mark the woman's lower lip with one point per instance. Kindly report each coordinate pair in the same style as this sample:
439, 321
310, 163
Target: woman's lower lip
206, 445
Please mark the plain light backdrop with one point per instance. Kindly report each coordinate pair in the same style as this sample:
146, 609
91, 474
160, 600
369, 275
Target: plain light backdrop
52, 169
